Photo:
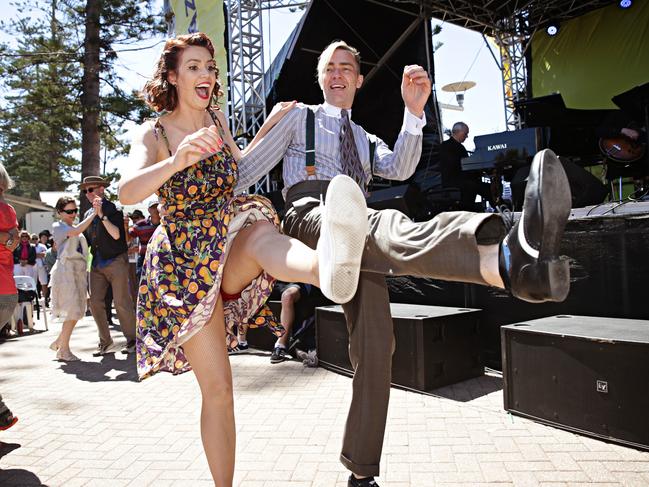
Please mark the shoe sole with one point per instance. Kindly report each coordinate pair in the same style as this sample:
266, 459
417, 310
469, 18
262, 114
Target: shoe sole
6, 427
556, 202
237, 352
106, 352
344, 227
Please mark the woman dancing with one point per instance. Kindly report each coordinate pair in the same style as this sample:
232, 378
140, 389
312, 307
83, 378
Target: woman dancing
69, 279
211, 264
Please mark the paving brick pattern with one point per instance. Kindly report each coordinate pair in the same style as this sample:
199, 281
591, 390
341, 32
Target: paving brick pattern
91, 423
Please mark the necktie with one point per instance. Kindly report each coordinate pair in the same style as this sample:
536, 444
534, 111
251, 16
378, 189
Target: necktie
351, 163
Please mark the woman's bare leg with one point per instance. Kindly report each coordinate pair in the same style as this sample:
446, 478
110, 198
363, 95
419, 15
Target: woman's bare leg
63, 340
206, 352
261, 247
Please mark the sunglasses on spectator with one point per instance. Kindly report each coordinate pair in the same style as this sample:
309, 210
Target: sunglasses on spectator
89, 190
70, 212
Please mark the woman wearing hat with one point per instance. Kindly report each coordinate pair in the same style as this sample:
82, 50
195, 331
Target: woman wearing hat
190, 300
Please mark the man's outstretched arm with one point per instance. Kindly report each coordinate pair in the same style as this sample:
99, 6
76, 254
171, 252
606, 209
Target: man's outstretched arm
268, 151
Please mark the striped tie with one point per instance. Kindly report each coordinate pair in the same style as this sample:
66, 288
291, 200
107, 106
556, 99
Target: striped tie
351, 163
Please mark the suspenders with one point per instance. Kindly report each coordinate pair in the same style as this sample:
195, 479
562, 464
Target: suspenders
310, 145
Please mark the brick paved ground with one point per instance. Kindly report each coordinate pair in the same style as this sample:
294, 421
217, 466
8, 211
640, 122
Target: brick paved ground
91, 423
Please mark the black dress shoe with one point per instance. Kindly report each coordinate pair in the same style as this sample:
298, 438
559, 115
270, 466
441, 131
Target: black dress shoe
529, 260
365, 482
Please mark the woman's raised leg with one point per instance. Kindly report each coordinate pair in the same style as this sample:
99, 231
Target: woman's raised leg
206, 352
259, 247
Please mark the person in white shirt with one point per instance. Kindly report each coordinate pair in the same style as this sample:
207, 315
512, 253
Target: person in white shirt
318, 143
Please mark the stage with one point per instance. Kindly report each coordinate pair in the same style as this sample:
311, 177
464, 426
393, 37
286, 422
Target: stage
608, 246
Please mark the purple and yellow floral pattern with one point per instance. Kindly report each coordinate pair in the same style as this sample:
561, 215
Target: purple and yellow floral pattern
184, 265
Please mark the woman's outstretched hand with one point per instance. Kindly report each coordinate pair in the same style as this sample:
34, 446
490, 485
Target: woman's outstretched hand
197, 146
278, 112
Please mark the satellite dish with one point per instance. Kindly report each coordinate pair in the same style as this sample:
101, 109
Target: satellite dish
458, 86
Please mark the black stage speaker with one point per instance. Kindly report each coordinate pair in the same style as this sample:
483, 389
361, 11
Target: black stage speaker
585, 188
435, 345
581, 373
406, 198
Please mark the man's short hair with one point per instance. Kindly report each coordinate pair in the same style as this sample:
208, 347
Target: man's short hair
325, 58
460, 127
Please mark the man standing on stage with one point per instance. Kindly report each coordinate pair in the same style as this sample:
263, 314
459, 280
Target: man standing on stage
318, 143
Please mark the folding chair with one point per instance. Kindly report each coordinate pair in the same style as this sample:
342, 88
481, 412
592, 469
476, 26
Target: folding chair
27, 301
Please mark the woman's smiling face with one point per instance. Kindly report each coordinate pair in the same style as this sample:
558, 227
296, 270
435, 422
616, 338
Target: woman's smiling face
195, 78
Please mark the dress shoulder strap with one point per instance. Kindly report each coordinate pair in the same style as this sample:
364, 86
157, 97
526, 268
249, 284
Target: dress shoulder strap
217, 122
159, 127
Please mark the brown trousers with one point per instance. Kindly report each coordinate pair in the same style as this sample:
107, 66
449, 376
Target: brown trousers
445, 247
116, 275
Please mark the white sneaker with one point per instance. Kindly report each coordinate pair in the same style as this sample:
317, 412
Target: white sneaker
343, 232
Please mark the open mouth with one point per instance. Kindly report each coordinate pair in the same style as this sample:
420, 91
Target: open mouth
203, 91
337, 87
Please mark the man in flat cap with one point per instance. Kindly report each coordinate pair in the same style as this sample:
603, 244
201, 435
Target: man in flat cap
110, 268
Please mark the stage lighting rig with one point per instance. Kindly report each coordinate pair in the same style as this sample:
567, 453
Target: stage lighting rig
552, 29
459, 87
625, 3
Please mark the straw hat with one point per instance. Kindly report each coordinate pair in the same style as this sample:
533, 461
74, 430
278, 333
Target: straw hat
93, 181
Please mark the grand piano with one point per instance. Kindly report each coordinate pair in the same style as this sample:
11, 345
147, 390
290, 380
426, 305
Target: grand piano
568, 132
505, 151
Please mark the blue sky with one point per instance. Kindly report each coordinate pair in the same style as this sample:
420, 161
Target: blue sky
463, 56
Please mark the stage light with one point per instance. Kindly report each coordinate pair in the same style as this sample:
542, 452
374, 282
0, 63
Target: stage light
552, 29
625, 3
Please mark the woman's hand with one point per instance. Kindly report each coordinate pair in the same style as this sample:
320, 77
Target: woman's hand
196, 146
278, 112
96, 206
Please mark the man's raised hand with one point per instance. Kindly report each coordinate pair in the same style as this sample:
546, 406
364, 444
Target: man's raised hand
415, 89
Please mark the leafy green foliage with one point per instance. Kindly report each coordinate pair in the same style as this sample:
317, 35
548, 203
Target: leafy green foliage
41, 84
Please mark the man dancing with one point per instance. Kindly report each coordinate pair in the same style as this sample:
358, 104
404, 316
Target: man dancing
319, 142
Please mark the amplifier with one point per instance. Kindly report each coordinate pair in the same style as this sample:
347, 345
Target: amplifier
585, 374
405, 198
435, 345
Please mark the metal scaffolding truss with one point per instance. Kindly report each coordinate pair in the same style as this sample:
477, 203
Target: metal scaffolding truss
512, 41
246, 59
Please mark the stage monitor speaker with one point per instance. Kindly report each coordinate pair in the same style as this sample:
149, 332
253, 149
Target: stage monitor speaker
435, 345
581, 373
405, 198
585, 188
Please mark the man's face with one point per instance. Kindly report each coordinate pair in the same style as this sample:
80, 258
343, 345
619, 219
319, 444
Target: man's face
94, 192
461, 135
341, 79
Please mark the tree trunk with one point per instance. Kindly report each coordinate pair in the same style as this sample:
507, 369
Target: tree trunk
90, 144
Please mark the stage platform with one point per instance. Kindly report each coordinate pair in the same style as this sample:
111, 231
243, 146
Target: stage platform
608, 247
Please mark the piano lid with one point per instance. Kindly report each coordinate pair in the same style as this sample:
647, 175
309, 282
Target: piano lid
573, 132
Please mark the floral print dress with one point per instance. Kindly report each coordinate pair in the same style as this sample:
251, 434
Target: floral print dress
183, 266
